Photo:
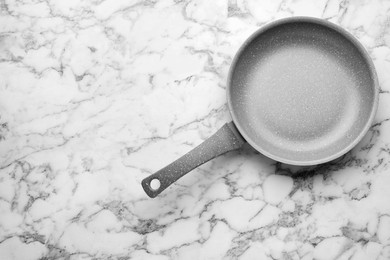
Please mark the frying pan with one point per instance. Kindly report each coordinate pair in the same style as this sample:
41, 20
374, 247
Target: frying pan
300, 90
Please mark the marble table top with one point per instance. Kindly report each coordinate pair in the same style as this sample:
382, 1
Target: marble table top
97, 95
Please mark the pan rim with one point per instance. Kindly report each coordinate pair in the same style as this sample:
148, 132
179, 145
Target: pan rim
347, 35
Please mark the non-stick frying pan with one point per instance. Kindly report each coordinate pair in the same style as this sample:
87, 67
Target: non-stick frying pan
300, 90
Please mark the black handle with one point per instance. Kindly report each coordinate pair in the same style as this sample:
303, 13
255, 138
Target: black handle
227, 138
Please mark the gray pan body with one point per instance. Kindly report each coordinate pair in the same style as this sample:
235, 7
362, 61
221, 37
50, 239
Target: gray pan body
302, 91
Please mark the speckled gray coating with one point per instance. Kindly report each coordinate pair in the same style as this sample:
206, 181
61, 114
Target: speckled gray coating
302, 91
225, 139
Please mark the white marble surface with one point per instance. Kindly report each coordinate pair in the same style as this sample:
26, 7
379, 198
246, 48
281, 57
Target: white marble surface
96, 95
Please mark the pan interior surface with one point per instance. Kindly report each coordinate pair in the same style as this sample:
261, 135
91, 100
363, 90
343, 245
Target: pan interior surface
302, 92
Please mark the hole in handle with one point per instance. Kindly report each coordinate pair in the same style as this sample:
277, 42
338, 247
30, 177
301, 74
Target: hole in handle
155, 184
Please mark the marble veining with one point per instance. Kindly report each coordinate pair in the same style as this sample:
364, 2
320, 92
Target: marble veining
97, 95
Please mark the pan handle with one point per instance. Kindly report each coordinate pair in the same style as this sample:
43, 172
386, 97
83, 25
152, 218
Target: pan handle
227, 138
